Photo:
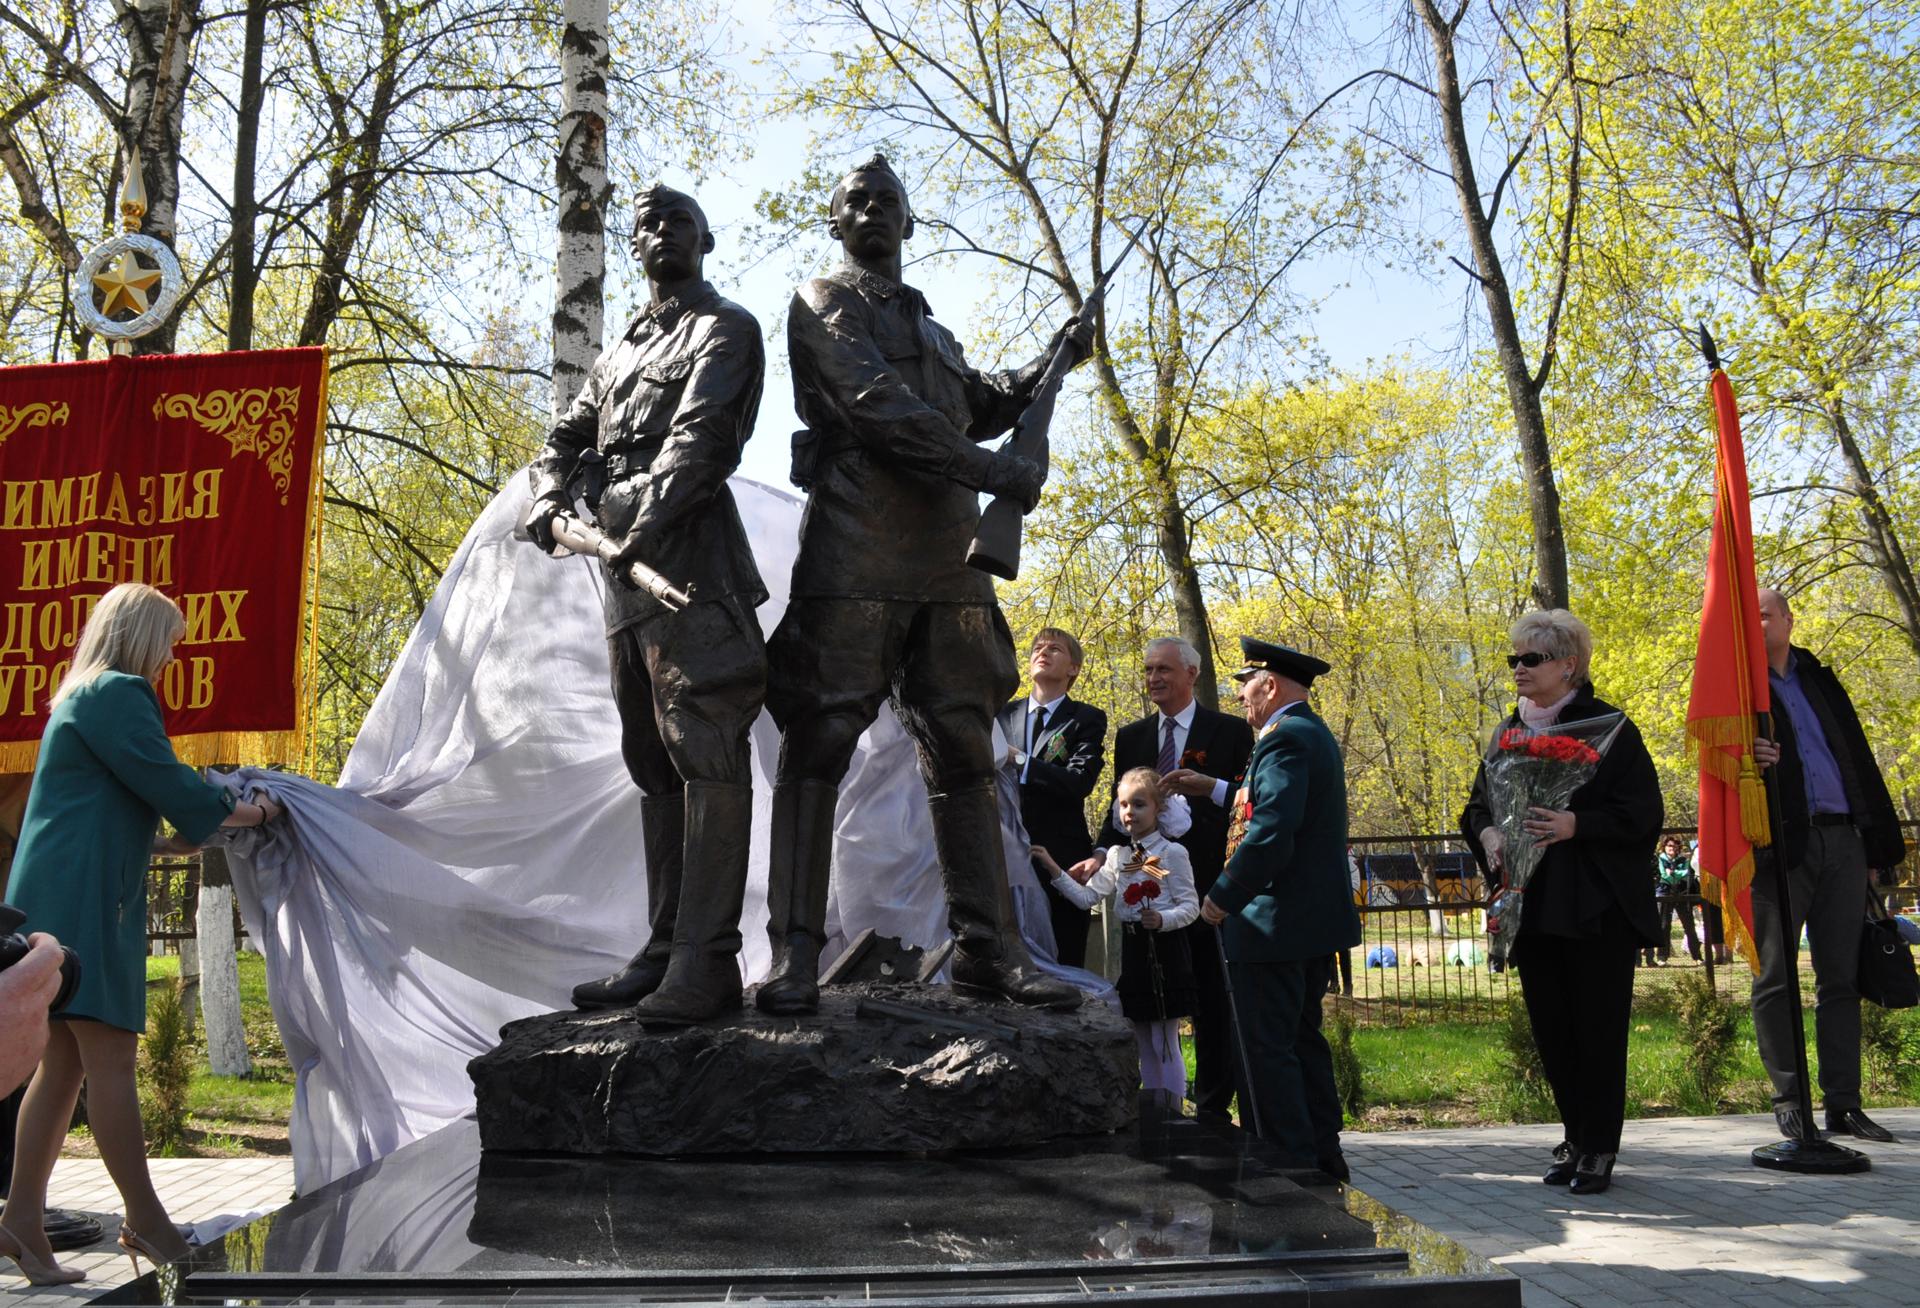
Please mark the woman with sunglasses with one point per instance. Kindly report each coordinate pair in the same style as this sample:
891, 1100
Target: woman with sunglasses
1589, 907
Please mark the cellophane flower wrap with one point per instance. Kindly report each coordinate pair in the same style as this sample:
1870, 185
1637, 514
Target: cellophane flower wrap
1535, 769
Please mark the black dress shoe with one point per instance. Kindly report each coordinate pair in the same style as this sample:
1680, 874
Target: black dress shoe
1594, 1174
1563, 1165
1337, 1168
1788, 1120
1851, 1121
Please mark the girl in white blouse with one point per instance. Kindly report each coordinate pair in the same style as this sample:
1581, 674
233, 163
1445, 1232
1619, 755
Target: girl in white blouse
1151, 881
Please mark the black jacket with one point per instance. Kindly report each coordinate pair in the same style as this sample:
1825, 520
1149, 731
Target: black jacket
1611, 856
1867, 797
1062, 770
1219, 745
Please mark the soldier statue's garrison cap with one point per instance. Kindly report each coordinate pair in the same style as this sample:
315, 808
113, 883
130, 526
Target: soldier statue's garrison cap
1265, 656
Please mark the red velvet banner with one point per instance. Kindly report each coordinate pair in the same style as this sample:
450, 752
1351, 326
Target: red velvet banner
197, 474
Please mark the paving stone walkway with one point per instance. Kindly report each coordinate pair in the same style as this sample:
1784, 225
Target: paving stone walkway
1688, 1220
194, 1190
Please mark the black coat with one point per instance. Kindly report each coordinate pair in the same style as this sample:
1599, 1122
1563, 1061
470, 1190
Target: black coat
1867, 797
1219, 745
1062, 770
1610, 859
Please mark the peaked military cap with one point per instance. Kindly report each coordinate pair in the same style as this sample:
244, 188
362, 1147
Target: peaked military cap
1265, 656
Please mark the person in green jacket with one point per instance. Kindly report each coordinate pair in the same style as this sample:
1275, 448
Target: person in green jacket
106, 775
1287, 906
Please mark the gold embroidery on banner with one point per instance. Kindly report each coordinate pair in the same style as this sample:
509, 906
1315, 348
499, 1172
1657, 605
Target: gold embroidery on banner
31, 415
257, 422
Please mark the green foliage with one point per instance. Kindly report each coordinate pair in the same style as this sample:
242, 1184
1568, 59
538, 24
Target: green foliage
1348, 1073
166, 1068
1890, 1048
1708, 1027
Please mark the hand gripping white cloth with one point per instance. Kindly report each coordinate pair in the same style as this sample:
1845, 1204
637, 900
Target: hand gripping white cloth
482, 854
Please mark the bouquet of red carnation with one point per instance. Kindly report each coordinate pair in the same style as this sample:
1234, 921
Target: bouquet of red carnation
1534, 769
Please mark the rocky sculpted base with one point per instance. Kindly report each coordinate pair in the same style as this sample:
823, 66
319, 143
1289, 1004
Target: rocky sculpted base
881, 1068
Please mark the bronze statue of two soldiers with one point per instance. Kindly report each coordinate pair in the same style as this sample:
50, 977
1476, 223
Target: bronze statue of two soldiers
883, 606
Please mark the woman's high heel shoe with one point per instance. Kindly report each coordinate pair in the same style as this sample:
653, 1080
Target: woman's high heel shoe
137, 1247
38, 1273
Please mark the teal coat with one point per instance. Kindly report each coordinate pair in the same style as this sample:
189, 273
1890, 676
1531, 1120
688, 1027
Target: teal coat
106, 775
1285, 890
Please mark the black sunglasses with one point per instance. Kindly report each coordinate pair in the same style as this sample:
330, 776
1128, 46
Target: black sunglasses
1533, 658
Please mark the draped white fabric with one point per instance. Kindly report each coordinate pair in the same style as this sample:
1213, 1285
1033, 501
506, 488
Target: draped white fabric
482, 852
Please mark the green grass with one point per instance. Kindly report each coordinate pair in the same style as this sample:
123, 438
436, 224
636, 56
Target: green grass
1450, 1072
1426, 1074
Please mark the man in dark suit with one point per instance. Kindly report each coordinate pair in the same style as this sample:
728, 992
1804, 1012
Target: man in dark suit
1200, 753
1839, 823
1059, 746
1287, 906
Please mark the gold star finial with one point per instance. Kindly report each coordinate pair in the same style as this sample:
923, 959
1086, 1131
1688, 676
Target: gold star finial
125, 285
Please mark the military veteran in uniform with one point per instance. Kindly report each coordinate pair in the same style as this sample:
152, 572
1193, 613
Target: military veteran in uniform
1285, 905
883, 603
669, 406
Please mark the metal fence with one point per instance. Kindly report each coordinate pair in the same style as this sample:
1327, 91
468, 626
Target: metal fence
1423, 950
1422, 955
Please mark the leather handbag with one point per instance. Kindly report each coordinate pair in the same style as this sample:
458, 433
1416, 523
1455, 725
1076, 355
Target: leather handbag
1886, 961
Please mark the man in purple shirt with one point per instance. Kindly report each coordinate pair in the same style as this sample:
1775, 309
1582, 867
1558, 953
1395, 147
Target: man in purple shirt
1838, 821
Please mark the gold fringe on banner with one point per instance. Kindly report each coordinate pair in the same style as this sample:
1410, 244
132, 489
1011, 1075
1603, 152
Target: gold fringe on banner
237, 748
1708, 739
1720, 894
306, 684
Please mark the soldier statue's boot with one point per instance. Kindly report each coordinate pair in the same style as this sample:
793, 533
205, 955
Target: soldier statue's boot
663, 833
989, 957
798, 870
703, 971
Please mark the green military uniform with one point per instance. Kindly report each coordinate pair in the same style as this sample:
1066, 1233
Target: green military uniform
1290, 909
106, 776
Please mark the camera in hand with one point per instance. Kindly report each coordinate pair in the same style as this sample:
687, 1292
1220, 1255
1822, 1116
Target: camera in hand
14, 947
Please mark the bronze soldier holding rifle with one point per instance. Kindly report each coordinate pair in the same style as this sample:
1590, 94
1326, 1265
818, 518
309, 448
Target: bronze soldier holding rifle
669, 407
884, 604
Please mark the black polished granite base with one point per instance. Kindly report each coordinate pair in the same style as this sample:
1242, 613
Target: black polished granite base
1172, 1212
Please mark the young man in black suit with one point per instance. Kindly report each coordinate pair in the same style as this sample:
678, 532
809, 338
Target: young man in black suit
1059, 746
1201, 754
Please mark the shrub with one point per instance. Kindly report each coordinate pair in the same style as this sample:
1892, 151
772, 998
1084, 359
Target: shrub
166, 1068
1522, 1092
1708, 1024
1348, 1074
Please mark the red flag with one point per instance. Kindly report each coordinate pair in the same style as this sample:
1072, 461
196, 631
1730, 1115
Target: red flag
1729, 689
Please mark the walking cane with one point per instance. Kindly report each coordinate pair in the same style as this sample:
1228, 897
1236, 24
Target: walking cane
1250, 1101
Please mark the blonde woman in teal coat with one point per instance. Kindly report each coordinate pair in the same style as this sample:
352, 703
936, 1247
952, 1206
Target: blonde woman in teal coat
105, 777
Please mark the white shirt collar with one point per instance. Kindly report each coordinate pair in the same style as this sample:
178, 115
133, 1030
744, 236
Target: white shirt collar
1153, 842
1184, 718
1034, 704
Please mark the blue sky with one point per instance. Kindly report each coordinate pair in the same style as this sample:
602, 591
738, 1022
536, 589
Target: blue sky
1367, 312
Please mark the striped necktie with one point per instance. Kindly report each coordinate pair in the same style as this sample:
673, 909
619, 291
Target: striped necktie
1168, 760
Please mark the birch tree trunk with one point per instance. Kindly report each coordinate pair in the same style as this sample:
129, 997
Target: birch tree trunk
220, 969
580, 172
159, 36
